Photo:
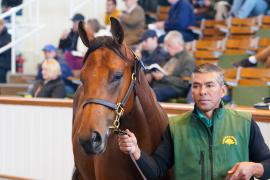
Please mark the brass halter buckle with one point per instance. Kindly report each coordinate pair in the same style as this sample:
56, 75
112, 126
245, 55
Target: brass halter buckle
119, 112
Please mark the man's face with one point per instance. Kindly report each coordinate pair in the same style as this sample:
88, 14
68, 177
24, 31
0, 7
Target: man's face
172, 48
206, 91
49, 54
149, 44
110, 7
75, 26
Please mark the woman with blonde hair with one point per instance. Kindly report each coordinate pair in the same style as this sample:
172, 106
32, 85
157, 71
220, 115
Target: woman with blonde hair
52, 85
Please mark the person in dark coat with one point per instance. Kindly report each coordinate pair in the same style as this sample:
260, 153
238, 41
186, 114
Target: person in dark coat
5, 57
150, 51
66, 72
52, 86
69, 44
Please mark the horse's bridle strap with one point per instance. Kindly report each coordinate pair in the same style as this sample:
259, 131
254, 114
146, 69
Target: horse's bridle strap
101, 102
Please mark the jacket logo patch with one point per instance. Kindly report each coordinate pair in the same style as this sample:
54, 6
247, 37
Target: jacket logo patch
230, 140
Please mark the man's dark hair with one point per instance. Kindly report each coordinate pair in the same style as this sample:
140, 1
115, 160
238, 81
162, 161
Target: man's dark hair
207, 68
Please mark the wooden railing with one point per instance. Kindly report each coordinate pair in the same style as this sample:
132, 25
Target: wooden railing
170, 108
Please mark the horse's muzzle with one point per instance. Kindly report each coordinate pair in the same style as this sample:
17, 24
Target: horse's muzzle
93, 144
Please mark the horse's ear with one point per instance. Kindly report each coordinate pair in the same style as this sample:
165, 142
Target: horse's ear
117, 30
85, 36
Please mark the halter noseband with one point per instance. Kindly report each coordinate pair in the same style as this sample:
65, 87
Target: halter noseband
118, 107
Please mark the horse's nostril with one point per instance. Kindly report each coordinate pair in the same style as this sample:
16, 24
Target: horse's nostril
95, 138
92, 144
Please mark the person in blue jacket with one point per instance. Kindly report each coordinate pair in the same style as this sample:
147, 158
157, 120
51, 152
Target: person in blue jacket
180, 18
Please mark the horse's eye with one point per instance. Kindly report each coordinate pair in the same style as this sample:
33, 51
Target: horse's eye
117, 76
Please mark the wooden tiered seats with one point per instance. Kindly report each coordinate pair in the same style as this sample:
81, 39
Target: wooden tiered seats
207, 51
265, 22
162, 13
239, 46
252, 84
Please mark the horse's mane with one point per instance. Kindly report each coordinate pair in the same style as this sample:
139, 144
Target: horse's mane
107, 42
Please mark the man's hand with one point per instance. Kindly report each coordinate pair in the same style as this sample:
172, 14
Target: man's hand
138, 51
149, 77
128, 144
245, 170
157, 75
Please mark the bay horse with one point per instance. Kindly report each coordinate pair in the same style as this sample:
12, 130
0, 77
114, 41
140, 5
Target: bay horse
113, 87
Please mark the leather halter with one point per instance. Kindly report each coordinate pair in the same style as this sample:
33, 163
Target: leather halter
118, 107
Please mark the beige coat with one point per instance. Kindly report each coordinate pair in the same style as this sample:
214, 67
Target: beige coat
133, 24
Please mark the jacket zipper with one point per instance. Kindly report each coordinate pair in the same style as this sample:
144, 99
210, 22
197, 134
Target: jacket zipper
201, 162
211, 156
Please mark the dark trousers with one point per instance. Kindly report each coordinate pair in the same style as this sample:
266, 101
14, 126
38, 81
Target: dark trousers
165, 93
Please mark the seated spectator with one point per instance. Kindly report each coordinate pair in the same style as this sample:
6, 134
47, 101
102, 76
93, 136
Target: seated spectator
133, 21
149, 50
222, 9
69, 44
94, 27
262, 56
202, 9
111, 11
52, 86
180, 18
5, 57
181, 64
50, 53
150, 10
248, 8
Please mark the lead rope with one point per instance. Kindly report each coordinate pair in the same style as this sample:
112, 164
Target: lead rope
137, 166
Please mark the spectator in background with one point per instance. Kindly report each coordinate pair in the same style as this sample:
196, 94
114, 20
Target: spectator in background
51, 85
149, 50
150, 10
180, 18
5, 57
222, 9
248, 8
69, 44
93, 26
203, 9
111, 11
50, 53
180, 65
133, 21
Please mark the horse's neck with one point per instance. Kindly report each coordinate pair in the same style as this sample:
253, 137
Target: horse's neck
147, 119
151, 108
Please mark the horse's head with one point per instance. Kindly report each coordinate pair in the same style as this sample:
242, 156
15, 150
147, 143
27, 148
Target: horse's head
107, 79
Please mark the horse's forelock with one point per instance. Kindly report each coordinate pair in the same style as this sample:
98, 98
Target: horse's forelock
107, 42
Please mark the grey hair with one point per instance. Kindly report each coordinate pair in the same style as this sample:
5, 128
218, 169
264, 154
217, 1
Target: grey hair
174, 37
207, 68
